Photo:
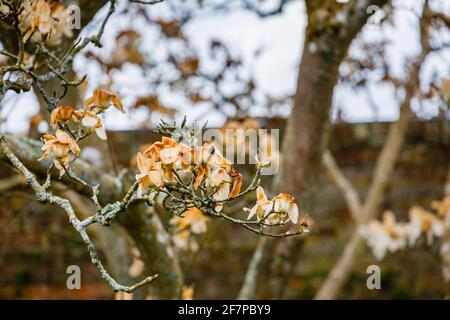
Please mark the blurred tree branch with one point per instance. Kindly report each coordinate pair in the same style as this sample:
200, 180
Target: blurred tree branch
344, 185
331, 28
383, 171
144, 228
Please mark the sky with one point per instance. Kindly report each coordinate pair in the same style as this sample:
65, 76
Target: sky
275, 70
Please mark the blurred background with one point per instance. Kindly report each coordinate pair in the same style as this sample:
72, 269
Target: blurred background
235, 64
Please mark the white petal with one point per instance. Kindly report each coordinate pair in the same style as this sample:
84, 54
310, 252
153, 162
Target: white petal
222, 193
101, 133
89, 121
252, 212
293, 213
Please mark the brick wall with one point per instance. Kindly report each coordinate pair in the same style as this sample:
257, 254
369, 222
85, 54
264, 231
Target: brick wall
37, 244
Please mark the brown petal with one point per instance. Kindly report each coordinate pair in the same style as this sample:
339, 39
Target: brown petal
237, 183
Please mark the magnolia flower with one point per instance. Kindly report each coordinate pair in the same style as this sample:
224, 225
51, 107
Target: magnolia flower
275, 210
377, 239
200, 173
217, 176
275, 218
102, 100
442, 207
166, 152
61, 114
153, 152
40, 19
91, 121
184, 155
237, 184
262, 207
221, 194
210, 164
60, 15
183, 241
150, 174
284, 203
169, 155
59, 146
218, 160
192, 219
426, 222
385, 236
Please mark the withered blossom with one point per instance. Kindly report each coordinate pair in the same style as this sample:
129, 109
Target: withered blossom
91, 121
102, 100
61, 114
59, 147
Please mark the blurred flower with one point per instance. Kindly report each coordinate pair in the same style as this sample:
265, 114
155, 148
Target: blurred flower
442, 207
121, 295
422, 221
39, 19
390, 236
385, 236
192, 219
137, 266
60, 27
183, 241
187, 292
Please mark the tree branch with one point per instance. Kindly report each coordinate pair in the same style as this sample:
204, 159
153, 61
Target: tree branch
384, 169
47, 197
344, 185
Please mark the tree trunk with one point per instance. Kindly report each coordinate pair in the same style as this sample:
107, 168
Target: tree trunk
142, 225
326, 44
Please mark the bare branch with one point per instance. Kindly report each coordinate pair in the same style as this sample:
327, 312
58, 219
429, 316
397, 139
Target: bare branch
46, 197
344, 185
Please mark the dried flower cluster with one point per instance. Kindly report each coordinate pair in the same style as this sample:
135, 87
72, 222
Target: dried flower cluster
193, 221
389, 235
279, 210
165, 160
197, 181
41, 20
86, 120
193, 182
